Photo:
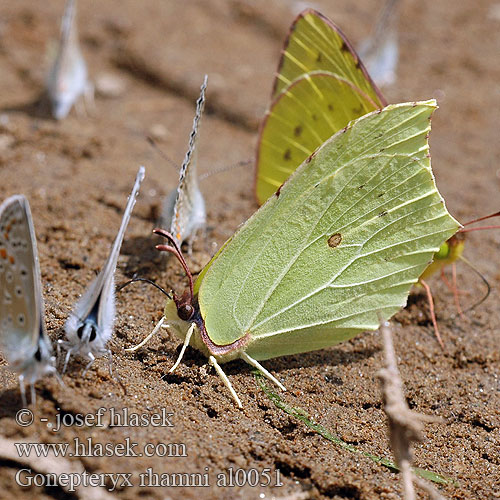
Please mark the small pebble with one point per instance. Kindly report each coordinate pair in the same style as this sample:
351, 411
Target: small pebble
109, 85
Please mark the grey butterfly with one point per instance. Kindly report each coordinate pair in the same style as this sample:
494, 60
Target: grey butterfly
183, 210
90, 325
68, 78
23, 338
380, 51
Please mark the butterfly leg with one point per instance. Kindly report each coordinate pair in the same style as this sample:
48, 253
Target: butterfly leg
224, 378
183, 350
89, 364
110, 361
433, 314
66, 359
256, 364
58, 378
146, 340
33, 393
22, 388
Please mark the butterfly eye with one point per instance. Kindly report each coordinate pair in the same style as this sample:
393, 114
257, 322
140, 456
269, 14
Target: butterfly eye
79, 332
185, 311
93, 333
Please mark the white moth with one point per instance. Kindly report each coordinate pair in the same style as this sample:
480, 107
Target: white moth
90, 325
183, 210
23, 339
68, 78
380, 51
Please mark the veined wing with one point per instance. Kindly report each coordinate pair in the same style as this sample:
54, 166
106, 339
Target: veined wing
302, 117
346, 237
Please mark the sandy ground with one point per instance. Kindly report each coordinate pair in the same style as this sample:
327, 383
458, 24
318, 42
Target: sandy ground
78, 173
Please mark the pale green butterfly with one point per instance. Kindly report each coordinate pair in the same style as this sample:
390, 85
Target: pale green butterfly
320, 86
342, 241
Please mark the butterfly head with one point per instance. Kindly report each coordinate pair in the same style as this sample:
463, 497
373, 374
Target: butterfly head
87, 331
185, 307
33, 362
451, 249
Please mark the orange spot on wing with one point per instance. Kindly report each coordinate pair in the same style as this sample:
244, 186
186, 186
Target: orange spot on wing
12, 260
3, 253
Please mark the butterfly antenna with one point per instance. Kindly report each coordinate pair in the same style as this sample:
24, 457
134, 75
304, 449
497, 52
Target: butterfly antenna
242, 163
485, 281
386, 16
121, 287
468, 230
157, 148
174, 249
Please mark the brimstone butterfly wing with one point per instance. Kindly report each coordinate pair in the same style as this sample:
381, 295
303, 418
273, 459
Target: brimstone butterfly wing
320, 86
342, 241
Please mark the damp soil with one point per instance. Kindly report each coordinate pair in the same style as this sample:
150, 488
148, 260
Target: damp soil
77, 175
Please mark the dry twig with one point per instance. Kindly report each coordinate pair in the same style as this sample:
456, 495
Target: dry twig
405, 425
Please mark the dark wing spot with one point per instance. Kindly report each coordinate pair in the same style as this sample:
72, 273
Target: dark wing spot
318, 57
278, 192
344, 47
334, 240
297, 131
361, 187
330, 107
380, 195
314, 117
384, 212
287, 155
